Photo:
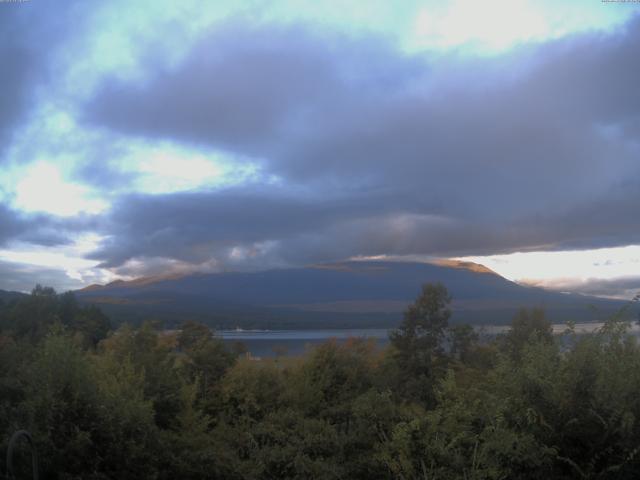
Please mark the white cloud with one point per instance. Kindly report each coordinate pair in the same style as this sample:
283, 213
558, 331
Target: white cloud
565, 270
42, 188
168, 168
66, 262
493, 26
496, 24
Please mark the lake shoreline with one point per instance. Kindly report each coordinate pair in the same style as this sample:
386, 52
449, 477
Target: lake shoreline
292, 342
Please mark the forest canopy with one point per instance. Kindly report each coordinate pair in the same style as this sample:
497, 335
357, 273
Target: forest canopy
142, 403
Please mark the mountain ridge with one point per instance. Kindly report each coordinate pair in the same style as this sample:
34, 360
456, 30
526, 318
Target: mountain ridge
8, 295
343, 294
341, 266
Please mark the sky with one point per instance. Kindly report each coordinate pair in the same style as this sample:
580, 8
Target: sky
158, 137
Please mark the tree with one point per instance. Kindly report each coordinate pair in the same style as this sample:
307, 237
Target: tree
419, 340
192, 335
205, 358
92, 324
426, 320
148, 352
40, 291
526, 326
87, 413
463, 339
32, 316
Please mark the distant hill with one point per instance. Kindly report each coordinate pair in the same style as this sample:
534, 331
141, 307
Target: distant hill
346, 294
7, 296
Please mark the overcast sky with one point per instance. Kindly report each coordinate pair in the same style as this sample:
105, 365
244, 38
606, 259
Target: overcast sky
152, 137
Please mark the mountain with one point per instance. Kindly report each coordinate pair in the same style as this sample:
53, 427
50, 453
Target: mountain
346, 294
7, 296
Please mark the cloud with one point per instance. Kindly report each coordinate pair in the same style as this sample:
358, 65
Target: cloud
34, 228
10, 224
623, 287
40, 229
18, 64
258, 227
247, 89
196, 226
29, 33
23, 277
381, 152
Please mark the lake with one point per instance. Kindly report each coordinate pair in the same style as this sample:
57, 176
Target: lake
269, 343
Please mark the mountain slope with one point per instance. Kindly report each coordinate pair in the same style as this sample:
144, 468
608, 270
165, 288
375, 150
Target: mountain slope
345, 294
7, 296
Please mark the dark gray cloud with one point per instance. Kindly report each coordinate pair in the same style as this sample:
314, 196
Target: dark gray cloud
274, 227
29, 33
196, 226
380, 152
17, 226
41, 229
17, 69
249, 90
10, 225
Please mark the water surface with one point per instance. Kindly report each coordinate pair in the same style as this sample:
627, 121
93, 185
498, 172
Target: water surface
269, 343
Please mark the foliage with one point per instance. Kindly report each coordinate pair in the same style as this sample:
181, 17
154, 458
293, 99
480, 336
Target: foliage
139, 403
526, 326
32, 316
417, 344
